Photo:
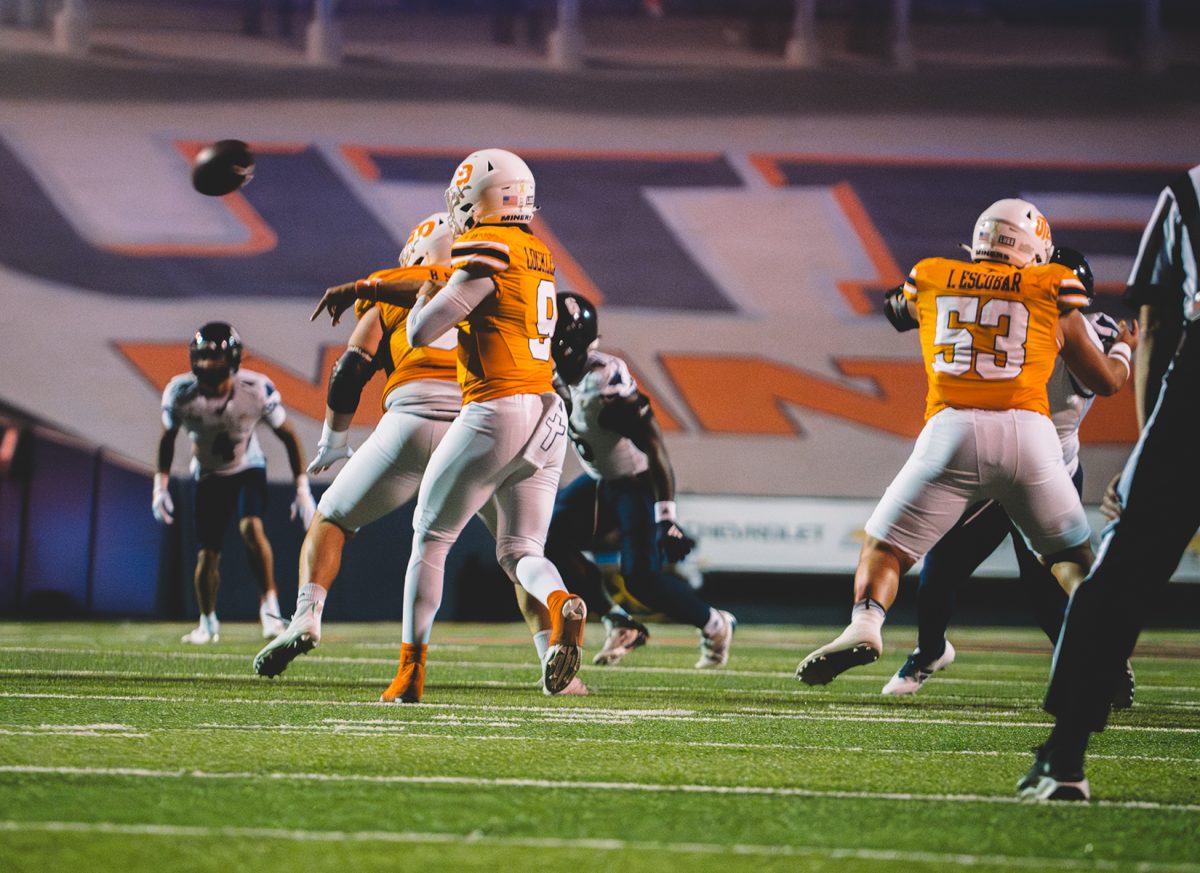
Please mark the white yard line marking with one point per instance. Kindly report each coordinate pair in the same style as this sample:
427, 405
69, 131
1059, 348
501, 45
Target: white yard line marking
550, 712
531, 666
579, 785
476, 838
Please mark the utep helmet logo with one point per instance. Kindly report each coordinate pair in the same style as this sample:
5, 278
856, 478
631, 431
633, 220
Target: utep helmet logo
463, 176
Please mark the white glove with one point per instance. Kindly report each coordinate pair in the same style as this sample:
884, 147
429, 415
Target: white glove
331, 448
161, 504
303, 507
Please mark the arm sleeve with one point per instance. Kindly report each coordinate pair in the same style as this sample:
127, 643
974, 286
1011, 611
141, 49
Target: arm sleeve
910, 285
431, 317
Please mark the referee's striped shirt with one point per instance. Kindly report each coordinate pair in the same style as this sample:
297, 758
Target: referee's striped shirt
1165, 269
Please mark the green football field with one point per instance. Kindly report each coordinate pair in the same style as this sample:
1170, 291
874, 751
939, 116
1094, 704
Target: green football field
122, 750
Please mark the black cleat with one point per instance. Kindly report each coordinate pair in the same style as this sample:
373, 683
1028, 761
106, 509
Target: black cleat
1126, 686
1042, 782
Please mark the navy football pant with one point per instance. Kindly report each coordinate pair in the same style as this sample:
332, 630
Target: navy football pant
588, 513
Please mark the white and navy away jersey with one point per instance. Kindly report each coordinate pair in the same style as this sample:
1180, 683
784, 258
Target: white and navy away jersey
1069, 399
603, 452
222, 428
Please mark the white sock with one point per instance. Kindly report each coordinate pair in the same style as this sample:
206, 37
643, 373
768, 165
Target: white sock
210, 621
539, 577
868, 613
541, 642
715, 622
311, 593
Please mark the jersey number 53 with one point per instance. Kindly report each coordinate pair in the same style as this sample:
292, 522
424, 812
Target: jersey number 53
955, 317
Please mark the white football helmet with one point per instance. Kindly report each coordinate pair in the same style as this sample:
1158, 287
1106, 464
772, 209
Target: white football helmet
490, 185
429, 242
1013, 232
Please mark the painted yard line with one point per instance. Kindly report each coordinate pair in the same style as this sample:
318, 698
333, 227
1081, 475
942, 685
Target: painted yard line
313, 681
579, 785
475, 838
530, 665
919, 717
376, 728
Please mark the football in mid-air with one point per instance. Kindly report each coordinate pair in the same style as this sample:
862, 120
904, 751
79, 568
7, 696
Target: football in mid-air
223, 167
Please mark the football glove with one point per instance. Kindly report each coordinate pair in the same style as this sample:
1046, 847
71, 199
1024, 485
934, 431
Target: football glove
161, 504
303, 507
673, 544
331, 448
895, 307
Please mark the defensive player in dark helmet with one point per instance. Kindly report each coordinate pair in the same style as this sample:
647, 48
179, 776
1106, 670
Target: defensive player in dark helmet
627, 492
219, 405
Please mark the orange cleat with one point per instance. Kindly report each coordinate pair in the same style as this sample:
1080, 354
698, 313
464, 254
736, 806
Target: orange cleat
409, 684
568, 614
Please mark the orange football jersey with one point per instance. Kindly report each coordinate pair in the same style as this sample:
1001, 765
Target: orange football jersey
989, 331
505, 348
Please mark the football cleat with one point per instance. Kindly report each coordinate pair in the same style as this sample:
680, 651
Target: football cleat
409, 684
200, 635
575, 688
624, 635
302, 634
1126, 687
272, 626
910, 677
714, 649
854, 647
568, 613
1043, 783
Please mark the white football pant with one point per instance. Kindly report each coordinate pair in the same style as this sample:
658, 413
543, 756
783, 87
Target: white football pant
963, 456
512, 448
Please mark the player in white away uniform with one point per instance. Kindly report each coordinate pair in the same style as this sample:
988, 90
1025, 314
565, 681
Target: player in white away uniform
220, 405
509, 439
627, 490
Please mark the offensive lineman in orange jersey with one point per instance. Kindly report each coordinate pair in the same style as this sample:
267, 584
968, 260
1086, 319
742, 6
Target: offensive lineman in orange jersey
990, 334
420, 399
510, 438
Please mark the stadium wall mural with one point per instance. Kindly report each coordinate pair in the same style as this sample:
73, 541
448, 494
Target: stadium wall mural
737, 265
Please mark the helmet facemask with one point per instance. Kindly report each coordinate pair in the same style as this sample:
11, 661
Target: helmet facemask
215, 353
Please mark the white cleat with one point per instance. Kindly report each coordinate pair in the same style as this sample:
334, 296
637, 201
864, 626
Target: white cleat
857, 645
302, 634
272, 626
200, 636
714, 649
910, 677
618, 643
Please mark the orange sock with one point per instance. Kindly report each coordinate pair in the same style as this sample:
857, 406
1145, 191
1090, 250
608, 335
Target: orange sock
409, 683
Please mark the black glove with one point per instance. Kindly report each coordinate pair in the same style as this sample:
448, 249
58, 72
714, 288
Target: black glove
895, 307
673, 543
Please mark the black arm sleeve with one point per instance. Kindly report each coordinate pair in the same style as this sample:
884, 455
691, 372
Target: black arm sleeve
350, 374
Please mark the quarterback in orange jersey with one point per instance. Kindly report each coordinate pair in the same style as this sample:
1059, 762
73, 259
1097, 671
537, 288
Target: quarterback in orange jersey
991, 330
509, 440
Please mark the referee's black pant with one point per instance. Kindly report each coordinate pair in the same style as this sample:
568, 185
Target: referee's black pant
1160, 493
